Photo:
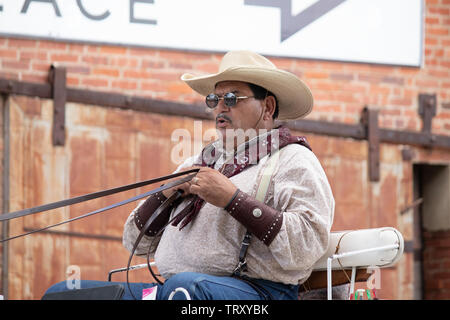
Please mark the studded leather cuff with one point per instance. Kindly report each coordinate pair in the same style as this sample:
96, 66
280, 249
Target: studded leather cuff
145, 211
261, 220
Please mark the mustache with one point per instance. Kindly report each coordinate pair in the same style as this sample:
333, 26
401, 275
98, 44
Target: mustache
223, 116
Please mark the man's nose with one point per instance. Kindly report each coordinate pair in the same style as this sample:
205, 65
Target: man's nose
221, 107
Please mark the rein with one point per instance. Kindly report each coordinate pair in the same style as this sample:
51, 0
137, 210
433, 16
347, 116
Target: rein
95, 195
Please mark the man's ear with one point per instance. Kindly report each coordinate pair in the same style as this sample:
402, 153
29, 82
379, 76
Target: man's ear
270, 104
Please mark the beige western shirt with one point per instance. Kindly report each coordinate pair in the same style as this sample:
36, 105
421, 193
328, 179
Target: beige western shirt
211, 243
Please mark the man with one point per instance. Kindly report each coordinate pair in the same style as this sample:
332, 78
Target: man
290, 231
221, 242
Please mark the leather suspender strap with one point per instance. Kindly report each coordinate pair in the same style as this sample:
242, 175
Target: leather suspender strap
263, 186
242, 264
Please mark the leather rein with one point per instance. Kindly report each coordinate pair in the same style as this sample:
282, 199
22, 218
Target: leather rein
99, 194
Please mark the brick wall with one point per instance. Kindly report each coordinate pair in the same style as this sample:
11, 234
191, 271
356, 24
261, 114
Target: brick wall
436, 257
340, 89
89, 161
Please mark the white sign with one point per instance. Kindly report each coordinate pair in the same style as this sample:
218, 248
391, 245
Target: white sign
373, 31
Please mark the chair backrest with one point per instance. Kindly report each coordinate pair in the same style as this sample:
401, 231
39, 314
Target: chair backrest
363, 242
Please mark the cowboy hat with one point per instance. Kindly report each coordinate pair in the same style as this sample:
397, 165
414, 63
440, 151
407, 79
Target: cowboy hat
294, 97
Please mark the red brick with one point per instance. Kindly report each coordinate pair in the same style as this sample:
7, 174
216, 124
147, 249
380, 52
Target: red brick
52, 45
124, 84
432, 20
179, 88
315, 75
41, 66
95, 59
113, 50
329, 108
110, 72
95, 82
63, 57
80, 48
124, 61
400, 101
35, 77
20, 65
431, 41
136, 74
207, 67
439, 10
437, 31
8, 53
342, 76
33, 55
73, 81
21, 43
165, 76
78, 69
142, 52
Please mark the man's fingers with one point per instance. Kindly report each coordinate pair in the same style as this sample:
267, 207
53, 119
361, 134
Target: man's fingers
194, 189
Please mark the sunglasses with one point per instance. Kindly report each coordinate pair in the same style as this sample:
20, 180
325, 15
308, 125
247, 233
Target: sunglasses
230, 99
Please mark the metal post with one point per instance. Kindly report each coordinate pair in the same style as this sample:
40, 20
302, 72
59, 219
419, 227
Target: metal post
59, 92
329, 280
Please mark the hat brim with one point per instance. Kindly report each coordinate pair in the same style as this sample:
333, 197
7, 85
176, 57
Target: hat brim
295, 99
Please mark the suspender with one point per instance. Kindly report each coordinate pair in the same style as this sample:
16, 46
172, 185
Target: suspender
261, 192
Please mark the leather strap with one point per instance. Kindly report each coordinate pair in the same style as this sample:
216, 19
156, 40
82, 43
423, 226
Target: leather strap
165, 205
88, 197
242, 264
148, 225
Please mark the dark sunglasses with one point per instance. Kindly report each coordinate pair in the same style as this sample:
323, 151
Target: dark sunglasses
230, 99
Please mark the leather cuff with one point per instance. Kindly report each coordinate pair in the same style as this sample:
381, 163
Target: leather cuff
146, 210
260, 219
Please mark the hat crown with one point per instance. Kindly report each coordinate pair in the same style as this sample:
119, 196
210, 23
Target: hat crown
244, 59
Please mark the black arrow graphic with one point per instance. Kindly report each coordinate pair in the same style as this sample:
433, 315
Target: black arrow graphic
292, 24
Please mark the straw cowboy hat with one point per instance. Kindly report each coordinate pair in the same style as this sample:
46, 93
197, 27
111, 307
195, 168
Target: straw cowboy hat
294, 97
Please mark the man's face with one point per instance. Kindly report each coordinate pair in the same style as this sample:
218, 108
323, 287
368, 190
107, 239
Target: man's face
244, 115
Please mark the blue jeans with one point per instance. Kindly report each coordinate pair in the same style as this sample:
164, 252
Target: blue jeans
199, 286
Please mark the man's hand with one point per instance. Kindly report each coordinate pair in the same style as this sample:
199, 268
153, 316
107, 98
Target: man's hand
184, 186
212, 186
